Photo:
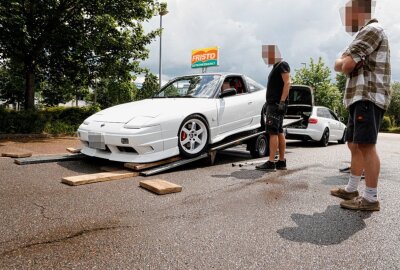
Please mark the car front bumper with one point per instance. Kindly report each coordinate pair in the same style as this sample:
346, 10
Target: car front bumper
126, 145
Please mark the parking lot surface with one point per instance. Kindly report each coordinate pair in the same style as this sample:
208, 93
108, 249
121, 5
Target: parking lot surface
226, 217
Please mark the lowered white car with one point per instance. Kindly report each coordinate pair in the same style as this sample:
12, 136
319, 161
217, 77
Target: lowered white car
185, 117
318, 123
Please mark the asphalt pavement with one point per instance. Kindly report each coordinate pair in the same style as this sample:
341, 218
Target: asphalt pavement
226, 217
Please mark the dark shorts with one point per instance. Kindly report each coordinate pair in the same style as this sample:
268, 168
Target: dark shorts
364, 122
274, 120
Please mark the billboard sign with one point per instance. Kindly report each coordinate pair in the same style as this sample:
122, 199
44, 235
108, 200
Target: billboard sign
205, 57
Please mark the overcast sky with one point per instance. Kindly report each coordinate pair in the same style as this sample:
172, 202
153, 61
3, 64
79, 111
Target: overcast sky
302, 29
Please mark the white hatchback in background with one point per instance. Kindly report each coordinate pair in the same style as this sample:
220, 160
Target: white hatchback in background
319, 123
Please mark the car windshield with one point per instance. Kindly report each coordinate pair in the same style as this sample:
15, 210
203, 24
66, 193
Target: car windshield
199, 86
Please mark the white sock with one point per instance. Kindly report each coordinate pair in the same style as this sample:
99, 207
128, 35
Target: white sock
371, 194
352, 185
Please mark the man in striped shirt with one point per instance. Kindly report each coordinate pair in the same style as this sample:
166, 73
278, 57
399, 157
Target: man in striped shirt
366, 62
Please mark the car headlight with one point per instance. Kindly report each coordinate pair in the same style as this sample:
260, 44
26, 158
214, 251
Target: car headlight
139, 122
86, 122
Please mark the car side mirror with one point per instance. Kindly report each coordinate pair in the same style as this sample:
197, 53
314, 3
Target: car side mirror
228, 92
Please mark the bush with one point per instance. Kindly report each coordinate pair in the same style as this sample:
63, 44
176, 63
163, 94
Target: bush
386, 124
54, 120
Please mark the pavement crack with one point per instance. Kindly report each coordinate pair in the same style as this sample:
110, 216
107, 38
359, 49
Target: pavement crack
43, 212
66, 238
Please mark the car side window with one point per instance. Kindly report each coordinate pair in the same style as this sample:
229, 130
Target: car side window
238, 84
320, 112
253, 86
333, 115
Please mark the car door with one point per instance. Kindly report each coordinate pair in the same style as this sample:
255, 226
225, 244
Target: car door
331, 122
234, 112
336, 124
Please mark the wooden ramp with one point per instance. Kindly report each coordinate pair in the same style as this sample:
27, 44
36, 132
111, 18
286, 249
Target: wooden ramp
48, 159
143, 166
97, 177
160, 187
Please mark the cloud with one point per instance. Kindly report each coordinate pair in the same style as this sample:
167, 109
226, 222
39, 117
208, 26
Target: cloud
302, 30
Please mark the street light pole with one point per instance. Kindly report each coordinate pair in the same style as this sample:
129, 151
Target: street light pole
161, 13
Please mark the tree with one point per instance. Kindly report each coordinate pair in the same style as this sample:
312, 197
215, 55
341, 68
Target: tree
110, 93
341, 82
317, 75
11, 83
341, 85
149, 88
67, 40
394, 108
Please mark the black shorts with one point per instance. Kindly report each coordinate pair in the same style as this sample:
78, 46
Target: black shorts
274, 120
364, 122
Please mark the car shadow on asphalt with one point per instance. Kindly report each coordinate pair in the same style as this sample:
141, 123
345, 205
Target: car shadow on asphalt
331, 227
91, 165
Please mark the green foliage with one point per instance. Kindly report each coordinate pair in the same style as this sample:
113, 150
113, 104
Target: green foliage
317, 75
149, 88
11, 83
110, 93
55, 120
386, 124
341, 82
394, 108
69, 43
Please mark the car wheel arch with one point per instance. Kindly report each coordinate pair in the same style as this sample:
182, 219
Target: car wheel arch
321, 141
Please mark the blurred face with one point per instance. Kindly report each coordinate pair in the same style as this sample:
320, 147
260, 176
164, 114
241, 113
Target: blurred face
355, 14
271, 54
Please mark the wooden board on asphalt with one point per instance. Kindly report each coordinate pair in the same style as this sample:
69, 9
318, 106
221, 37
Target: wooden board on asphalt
73, 150
160, 186
142, 166
97, 177
16, 155
49, 158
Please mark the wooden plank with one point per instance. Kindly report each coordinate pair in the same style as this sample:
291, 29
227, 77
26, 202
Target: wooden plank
73, 150
97, 177
142, 166
160, 186
110, 169
17, 155
49, 158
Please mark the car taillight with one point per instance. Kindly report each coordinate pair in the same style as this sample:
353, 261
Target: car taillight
312, 120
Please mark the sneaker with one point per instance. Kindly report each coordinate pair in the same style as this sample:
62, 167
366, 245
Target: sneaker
360, 203
342, 193
281, 165
267, 166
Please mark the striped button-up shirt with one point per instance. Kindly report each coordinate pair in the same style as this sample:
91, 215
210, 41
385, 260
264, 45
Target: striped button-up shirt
371, 78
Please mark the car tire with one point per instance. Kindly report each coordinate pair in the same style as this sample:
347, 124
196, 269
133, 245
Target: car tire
343, 139
259, 147
325, 138
193, 136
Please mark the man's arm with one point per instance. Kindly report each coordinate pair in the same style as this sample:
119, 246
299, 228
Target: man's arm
286, 86
345, 64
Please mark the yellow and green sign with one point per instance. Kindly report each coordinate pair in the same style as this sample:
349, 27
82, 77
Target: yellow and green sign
206, 57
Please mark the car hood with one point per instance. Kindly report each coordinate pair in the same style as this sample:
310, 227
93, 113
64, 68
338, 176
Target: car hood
301, 95
150, 108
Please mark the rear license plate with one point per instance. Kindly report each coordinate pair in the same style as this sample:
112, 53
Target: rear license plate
96, 141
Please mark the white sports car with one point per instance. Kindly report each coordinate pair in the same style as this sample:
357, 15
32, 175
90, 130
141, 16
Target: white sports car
185, 117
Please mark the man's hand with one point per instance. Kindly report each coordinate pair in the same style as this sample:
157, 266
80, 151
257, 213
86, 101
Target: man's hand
345, 64
282, 107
